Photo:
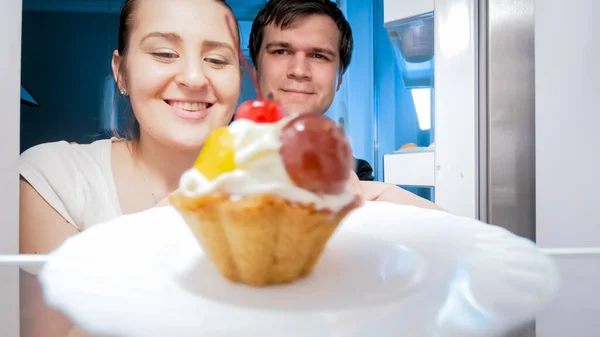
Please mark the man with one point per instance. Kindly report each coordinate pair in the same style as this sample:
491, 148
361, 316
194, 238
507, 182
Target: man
304, 79
301, 49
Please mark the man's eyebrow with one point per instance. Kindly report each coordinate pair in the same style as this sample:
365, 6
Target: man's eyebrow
286, 45
172, 37
279, 44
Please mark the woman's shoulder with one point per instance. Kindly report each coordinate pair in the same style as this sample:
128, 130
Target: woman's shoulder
86, 166
65, 149
71, 177
64, 157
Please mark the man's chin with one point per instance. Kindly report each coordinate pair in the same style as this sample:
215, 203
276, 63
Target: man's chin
299, 109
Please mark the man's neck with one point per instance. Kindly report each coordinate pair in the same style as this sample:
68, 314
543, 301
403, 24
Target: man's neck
161, 164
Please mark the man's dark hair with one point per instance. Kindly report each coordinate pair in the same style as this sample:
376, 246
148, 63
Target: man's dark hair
283, 13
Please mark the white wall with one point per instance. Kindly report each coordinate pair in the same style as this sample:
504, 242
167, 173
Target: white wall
567, 49
10, 73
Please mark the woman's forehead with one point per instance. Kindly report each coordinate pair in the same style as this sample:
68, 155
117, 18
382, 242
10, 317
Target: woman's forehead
189, 19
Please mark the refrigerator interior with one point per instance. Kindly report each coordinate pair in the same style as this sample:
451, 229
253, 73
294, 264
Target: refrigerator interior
405, 110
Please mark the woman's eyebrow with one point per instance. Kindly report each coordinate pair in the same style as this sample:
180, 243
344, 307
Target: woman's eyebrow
217, 44
172, 37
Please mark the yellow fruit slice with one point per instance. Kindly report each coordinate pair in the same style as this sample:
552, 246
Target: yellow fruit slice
217, 155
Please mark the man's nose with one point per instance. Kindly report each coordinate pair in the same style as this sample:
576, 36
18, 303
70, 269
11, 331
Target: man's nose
299, 67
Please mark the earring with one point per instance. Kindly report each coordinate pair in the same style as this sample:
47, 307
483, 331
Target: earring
124, 92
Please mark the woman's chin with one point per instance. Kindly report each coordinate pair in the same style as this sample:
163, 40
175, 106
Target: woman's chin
191, 146
185, 143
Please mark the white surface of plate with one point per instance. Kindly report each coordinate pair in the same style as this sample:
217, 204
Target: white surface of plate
389, 270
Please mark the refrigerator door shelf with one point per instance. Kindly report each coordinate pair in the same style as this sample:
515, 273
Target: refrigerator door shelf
415, 167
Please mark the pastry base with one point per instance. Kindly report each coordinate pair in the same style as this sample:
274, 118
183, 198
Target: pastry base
260, 239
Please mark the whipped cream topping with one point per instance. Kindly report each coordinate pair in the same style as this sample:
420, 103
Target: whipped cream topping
259, 170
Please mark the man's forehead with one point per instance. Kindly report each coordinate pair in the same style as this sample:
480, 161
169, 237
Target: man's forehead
313, 31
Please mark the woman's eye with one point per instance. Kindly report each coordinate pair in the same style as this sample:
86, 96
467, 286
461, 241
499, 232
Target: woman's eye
165, 55
215, 61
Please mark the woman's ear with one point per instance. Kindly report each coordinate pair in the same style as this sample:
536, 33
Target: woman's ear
116, 69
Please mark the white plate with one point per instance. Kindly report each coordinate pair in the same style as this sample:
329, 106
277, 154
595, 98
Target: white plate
389, 270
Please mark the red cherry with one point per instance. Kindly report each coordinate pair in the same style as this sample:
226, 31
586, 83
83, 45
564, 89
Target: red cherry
260, 111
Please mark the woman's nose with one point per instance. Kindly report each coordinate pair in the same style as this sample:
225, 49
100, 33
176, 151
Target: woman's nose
192, 75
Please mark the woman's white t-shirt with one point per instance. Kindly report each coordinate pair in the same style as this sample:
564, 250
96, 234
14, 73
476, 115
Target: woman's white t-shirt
75, 179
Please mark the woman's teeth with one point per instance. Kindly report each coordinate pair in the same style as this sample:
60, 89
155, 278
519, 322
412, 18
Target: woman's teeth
195, 106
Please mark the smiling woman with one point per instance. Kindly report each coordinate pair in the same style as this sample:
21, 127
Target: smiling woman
177, 66
154, 56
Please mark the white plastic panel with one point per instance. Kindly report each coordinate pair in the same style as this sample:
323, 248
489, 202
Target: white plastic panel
456, 106
575, 311
567, 120
409, 169
402, 9
10, 72
567, 183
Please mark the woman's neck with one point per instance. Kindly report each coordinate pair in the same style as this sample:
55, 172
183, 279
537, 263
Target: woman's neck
161, 165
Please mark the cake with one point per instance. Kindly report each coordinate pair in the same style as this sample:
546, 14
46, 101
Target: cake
267, 192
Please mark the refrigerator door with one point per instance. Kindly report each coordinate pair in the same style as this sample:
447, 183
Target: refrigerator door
10, 72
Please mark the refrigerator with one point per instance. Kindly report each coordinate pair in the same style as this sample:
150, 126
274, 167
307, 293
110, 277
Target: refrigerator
461, 120
512, 86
